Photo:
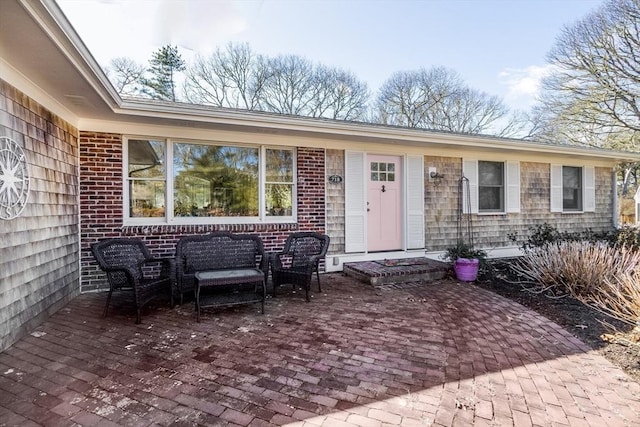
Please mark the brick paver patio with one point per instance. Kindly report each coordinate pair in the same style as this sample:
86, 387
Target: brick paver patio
408, 355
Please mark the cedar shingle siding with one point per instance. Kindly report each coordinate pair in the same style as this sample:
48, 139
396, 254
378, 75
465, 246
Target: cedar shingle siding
39, 250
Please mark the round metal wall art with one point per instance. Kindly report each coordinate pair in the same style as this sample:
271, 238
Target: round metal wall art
14, 179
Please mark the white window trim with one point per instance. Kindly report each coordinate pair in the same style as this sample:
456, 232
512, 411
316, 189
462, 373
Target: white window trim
511, 186
170, 219
588, 189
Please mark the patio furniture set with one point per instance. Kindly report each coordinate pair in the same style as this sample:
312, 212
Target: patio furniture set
218, 269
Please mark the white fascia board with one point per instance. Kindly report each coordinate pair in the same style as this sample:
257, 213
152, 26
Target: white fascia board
54, 23
365, 131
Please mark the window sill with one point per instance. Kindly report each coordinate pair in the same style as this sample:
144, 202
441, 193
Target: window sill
166, 229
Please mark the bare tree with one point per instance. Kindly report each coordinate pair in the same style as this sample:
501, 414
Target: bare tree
126, 76
237, 78
595, 91
338, 95
438, 99
291, 85
232, 78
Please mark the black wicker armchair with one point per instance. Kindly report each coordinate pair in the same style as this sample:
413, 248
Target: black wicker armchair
130, 266
298, 260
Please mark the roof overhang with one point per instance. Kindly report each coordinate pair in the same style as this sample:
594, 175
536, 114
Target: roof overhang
42, 55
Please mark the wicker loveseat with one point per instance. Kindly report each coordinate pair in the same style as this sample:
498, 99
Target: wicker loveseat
229, 260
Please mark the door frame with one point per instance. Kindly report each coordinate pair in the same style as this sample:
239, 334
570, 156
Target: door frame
412, 208
399, 209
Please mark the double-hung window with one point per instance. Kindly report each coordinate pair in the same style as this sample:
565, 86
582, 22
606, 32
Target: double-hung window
193, 182
494, 186
572, 188
490, 186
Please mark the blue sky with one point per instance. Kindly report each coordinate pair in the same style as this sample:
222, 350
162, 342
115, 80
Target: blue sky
497, 46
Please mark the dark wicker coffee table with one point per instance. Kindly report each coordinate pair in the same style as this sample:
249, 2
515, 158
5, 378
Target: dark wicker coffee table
230, 287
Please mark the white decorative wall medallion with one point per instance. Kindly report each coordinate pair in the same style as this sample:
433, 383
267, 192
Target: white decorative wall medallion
14, 179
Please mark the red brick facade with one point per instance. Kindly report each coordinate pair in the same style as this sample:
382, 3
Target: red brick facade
101, 205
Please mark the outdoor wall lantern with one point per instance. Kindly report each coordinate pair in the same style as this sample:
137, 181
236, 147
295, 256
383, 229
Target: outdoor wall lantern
435, 176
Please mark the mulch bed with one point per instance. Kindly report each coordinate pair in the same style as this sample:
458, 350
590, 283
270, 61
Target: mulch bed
610, 337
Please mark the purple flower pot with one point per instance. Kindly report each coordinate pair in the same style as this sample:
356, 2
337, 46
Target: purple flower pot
466, 269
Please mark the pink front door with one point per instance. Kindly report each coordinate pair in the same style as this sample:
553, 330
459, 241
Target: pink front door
384, 200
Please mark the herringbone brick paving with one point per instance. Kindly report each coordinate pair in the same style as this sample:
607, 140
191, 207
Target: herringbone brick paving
416, 354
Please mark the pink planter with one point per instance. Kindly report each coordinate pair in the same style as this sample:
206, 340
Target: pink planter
466, 269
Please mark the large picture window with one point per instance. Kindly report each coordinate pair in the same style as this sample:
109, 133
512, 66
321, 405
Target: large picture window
208, 182
215, 181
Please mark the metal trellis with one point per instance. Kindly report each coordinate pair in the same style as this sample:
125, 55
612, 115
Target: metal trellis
465, 220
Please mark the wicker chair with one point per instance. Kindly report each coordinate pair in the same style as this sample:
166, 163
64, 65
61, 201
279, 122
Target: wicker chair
130, 266
298, 260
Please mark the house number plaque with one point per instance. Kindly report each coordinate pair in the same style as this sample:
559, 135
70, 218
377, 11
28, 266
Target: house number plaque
335, 179
14, 179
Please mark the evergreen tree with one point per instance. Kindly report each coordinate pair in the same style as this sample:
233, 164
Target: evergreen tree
166, 62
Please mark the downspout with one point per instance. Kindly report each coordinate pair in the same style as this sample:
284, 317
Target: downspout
614, 184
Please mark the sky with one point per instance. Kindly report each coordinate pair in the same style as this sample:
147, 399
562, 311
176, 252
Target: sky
497, 46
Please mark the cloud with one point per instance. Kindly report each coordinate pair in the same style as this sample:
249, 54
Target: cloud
199, 26
523, 84
135, 29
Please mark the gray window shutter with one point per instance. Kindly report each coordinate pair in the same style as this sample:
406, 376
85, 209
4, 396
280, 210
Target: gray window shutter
355, 203
470, 170
556, 188
513, 187
415, 202
589, 186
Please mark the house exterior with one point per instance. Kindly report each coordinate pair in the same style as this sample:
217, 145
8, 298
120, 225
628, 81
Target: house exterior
99, 166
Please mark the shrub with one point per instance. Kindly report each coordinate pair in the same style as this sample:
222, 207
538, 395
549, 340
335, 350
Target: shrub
620, 298
543, 234
599, 274
464, 250
626, 236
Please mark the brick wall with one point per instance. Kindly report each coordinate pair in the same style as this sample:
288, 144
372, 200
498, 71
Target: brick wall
101, 206
39, 250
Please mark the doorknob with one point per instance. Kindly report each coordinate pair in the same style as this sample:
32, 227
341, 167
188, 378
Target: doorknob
383, 189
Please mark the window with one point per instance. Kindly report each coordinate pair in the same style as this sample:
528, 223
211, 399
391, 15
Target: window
215, 181
572, 188
381, 171
146, 178
279, 182
494, 187
490, 186
208, 182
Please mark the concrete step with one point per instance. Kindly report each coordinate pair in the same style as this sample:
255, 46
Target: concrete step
384, 272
